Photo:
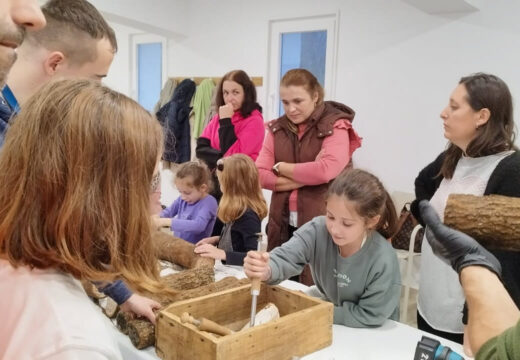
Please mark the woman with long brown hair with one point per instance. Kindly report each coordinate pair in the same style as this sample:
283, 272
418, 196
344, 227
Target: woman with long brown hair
75, 177
480, 159
237, 128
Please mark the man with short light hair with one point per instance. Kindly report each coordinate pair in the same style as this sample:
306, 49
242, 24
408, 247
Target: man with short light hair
77, 42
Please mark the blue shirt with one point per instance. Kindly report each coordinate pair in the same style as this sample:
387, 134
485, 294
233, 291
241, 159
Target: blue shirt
8, 108
192, 222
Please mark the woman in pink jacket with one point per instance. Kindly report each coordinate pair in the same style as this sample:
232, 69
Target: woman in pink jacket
304, 150
238, 128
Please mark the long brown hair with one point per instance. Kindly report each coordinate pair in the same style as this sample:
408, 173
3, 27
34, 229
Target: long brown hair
498, 133
240, 77
369, 196
75, 176
241, 188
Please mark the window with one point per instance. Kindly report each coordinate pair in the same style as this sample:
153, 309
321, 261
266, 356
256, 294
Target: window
307, 43
149, 69
305, 50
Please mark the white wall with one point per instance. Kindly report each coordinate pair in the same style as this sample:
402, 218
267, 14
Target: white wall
119, 76
396, 64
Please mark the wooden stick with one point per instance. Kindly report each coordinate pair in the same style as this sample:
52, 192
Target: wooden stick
494, 220
206, 325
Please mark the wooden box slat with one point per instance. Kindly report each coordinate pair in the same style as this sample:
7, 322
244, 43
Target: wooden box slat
304, 326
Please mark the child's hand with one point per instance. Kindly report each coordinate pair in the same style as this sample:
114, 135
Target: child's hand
256, 265
141, 306
156, 221
208, 250
209, 240
160, 222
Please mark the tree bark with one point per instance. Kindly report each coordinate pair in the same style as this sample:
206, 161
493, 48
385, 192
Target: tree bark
178, 251
185, 280
494, 220
141, 333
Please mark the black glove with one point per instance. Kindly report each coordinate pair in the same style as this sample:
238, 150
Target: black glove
454, 247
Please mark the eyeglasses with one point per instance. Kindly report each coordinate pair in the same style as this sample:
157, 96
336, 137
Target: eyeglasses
220, 165
156, 182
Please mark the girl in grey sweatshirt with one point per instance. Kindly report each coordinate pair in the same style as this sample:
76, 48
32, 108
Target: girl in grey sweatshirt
351, 261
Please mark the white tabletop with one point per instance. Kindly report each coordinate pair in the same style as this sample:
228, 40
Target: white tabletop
391, 341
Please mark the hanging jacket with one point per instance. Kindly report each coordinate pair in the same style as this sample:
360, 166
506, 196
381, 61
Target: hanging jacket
201, 105
166, 94
174, 117
212, 111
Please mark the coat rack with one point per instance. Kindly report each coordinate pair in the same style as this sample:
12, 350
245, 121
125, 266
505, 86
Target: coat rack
257, 80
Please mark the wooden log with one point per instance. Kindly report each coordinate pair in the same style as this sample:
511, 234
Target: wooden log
140, 333
178, 251
494, 220
229, 282
123, 320
185, 280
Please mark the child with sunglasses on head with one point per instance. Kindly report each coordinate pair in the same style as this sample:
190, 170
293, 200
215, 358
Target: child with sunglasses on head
352, 263
241, 209
192, 215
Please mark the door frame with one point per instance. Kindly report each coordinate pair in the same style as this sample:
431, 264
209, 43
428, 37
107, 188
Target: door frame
328, 22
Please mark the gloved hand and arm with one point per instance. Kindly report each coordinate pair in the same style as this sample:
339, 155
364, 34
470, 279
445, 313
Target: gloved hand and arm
491, 310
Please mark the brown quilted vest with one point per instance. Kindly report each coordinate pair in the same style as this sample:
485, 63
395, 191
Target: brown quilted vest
288, 148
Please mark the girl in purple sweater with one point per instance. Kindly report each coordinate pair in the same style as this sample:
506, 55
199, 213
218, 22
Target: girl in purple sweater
192, 215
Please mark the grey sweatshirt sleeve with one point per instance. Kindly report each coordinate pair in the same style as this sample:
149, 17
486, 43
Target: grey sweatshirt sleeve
290, 258
379, 301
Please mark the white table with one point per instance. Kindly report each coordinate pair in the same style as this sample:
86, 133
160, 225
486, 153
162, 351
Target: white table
392, 341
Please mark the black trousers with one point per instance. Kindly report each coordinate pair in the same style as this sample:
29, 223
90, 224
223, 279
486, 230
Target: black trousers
424, 326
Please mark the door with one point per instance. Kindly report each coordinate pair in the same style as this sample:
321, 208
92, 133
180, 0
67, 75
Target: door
308, 43
149, 59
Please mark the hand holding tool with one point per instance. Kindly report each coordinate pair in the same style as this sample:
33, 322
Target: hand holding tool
255, 283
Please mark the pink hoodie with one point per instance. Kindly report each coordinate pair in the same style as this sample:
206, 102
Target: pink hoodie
249, 131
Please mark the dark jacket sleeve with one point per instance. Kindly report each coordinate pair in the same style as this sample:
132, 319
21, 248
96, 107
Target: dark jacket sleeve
206, 153
426, 183
243, 237
505, 180
117, 290
226, 134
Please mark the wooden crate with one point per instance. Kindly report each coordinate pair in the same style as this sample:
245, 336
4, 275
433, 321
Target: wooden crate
304, 326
